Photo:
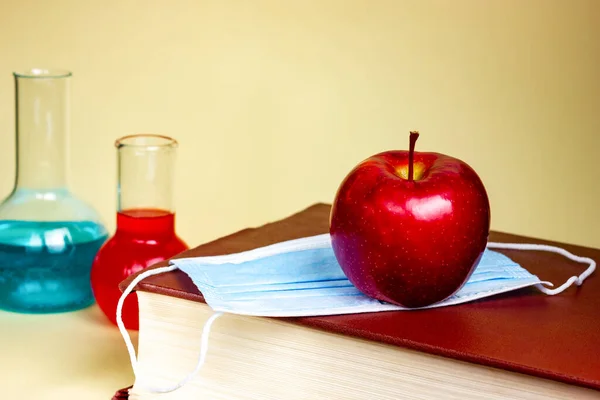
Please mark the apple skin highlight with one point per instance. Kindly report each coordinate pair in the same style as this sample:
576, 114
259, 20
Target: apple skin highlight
410, 243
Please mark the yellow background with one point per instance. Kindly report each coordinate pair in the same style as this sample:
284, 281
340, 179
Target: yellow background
273, 102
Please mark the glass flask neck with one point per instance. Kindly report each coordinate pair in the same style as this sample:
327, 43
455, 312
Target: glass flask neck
146, 168
42, 129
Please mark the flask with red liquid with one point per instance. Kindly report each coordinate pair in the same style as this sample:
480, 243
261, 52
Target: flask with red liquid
145, 232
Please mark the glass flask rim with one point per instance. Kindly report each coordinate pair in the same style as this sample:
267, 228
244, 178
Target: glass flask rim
43, 73
147, 141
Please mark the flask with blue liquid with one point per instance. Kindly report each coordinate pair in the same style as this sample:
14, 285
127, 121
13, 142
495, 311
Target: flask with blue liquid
48, 237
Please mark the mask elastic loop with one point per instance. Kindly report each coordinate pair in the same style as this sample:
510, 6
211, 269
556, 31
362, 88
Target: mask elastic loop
129, 344
578, 280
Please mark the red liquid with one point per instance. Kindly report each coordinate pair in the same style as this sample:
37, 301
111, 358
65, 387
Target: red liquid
143, 237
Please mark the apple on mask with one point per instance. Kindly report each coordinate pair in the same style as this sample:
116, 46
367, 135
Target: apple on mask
409, 228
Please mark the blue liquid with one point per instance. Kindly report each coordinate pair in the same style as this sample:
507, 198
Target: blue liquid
45, 266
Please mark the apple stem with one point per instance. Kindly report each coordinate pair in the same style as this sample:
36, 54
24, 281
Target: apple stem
414, 135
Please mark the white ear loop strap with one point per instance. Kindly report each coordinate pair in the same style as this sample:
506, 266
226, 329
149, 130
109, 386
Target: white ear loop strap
578, 280
129, 344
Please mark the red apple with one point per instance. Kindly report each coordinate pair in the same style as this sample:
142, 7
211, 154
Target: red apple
409, 227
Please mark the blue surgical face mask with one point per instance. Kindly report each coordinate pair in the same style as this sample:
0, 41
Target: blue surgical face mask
303, 278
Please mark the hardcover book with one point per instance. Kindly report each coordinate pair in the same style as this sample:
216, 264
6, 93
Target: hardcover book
517, 345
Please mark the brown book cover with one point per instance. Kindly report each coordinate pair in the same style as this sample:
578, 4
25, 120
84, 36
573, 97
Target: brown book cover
526, 331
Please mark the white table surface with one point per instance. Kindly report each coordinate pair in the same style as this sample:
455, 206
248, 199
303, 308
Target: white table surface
75, 355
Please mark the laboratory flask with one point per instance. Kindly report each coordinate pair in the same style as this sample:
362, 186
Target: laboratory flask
48, 236
145, 220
